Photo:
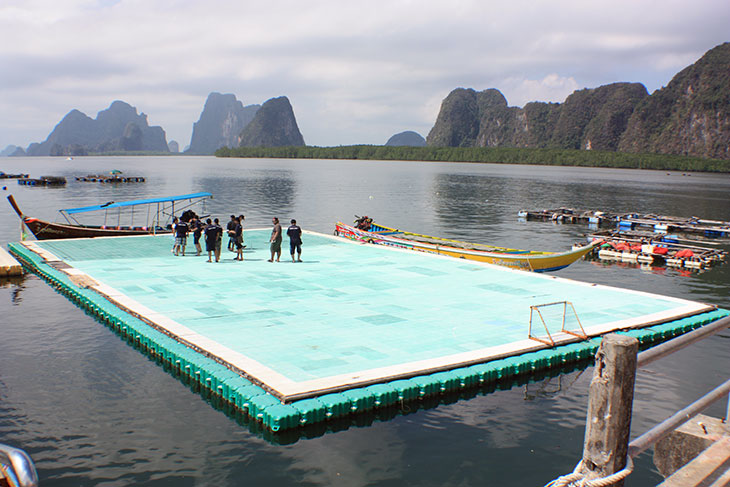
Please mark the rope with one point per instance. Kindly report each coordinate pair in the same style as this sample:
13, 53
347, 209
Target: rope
577, 479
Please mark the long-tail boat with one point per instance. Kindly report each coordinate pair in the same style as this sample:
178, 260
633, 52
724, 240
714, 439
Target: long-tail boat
159, 211
529, 260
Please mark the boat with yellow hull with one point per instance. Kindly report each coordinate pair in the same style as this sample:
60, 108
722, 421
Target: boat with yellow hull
528, 260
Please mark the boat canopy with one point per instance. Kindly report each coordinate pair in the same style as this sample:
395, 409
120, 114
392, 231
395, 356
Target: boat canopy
111, 204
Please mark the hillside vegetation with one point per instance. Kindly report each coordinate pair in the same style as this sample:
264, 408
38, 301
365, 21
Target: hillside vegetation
690, 116
504, 155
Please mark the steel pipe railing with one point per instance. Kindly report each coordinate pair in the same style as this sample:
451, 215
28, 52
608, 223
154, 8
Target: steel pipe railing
662, 429
671, 346
677, 419
16, 467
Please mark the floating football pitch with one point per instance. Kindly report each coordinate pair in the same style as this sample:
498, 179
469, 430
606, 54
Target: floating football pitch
350, 315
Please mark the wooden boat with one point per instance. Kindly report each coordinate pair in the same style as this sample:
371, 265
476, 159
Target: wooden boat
528, 260
164, 209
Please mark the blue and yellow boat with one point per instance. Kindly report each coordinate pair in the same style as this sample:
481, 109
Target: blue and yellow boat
365, 230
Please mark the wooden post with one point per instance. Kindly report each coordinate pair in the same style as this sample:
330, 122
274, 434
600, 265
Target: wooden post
727, 415
611, 396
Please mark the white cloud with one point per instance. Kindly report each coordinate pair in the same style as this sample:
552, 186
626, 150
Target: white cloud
552, 88
355, 72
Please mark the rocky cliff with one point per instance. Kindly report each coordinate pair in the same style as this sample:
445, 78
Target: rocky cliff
588, 119
596, 118
690, 116
274, 125
408, 139
220, 124
118, 128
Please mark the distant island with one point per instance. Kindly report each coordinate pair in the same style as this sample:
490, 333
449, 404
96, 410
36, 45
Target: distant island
408, 138
690, 116
119, 130
684, 126
220, 124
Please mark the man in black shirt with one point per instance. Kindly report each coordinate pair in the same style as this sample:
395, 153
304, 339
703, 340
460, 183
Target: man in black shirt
197, 228
213, 234
295, 240
181, 237
238, 237
230, 227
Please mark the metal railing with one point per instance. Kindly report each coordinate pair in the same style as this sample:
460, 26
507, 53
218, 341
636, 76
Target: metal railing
662, 429
16, 467
607, 452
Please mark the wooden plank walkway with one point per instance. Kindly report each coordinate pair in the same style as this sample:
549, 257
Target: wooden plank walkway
710, 469
8, 265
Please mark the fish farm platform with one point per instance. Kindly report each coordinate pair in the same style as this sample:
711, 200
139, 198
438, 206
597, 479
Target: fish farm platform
353, 328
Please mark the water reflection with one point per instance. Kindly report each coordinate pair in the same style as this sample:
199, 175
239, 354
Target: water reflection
259, 195
92, 410
464, 201
16, 286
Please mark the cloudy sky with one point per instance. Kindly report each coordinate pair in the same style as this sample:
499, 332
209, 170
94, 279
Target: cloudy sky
354, 71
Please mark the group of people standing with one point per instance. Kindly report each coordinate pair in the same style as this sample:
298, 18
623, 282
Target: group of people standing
295, 240
214, 235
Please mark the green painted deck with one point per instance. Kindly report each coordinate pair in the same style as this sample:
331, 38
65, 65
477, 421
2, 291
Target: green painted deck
350, 316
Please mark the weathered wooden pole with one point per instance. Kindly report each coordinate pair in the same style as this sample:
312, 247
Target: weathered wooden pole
727, 415
611, 396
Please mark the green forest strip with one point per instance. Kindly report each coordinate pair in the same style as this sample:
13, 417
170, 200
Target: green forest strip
498, 155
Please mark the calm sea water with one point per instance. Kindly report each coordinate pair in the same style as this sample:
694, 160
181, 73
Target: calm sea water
91, 410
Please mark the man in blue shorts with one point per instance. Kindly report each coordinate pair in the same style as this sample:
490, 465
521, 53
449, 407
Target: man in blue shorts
295, 240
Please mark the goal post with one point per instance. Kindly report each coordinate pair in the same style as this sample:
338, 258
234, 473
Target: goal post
562, 312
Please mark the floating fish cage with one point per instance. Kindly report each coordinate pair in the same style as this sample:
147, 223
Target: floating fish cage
4, 175
649, 249
100, 178
630, 221
43, 181
253, 394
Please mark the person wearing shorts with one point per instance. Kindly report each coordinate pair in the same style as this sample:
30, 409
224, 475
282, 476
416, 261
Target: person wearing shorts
275, 240
238, 237
181, 237
229, 228
174, 236
197, 227
294, 232
209, 238
218, 239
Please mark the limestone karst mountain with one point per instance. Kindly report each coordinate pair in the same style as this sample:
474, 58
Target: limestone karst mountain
118, 128
274, 125
220, 124
690, 116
